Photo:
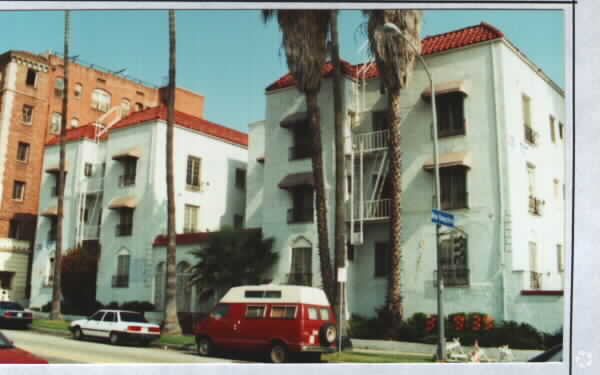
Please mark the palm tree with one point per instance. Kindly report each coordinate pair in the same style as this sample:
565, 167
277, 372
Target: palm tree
304, 39
340, 158
55, 313
395, 61
171, 324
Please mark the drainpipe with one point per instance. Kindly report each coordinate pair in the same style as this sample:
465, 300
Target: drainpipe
500, 168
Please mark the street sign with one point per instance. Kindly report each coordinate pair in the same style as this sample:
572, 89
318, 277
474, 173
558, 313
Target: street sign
442, 218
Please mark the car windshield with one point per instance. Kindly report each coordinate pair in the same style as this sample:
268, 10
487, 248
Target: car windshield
133, 317
4, 343
10, 306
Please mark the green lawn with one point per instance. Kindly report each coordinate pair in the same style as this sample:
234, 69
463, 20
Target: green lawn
60, 325
177, 340
364, 357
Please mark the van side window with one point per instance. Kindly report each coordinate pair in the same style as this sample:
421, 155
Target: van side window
254, 312
313, 313
273, 294
283, 312
324, 313
220, 311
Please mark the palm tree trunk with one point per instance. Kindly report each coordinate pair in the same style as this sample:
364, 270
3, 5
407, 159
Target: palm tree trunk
55, 313
394, 302
340, 162
321, 206
171, 326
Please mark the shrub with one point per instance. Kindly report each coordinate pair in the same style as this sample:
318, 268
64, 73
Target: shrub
364, 328
138, 306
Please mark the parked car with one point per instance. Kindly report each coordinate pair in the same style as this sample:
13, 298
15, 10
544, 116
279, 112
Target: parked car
10, 354
14, 315
554, 354
277, 319
117, 326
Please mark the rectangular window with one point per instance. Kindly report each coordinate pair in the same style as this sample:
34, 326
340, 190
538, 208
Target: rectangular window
255, 312
349, 184
190, 221
23, 152
453, 186
59, 88
129, 172
381, 259
301, 148
552, 130
240, 178
450, 114
27, 117
125, 226
121, 279
193, 173
87, 169
313, 313
302, 206
560, 258
55, 123
301, 267
238, 221
535, 279
530, 135
454, 262
19, 191
350, 249
283, 312
380, 121
31, 78
561, 130
324, 313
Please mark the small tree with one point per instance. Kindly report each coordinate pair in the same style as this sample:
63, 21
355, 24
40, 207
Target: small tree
79, 269
231, 258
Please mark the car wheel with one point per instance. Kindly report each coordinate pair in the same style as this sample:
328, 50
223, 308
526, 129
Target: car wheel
327, 334
77, 334
114, 338
279, 353
204, 346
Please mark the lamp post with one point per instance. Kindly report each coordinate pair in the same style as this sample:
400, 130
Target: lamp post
441, 349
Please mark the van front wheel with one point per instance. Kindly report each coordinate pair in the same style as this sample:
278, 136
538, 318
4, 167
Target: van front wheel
278, 353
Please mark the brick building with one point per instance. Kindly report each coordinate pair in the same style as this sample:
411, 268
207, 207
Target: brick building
32, 87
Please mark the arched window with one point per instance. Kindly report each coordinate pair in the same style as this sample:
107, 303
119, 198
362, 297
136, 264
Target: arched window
125, 107
301, 263
159, 286
184, 289
78, 90
101, 100
121, 278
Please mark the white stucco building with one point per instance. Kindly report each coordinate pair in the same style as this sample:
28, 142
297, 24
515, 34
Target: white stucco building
116, 196
502, 149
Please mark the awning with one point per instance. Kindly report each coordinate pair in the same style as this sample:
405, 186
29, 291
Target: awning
51, 211
133, 153
55, 168
446, 88
297, 179
123, 202
450, 159
294, 119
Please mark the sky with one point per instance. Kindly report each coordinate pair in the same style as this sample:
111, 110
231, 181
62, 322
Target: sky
231, 56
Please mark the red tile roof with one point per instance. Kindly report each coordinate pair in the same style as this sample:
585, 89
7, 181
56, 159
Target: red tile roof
160, 113
429, 45
188, 238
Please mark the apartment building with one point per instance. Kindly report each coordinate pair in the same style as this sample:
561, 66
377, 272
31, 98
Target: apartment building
116, 198
30, 114
502, 145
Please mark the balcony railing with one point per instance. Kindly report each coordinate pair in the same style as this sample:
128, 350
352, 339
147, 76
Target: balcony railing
373, 210
300, 215
126, 180
299, 278
453, 276
453, 201
535, 280
371, 141
535, 205
120, 281
530, 135
124, 229
300, 152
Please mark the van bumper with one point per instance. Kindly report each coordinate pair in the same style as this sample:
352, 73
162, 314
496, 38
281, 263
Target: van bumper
316, 349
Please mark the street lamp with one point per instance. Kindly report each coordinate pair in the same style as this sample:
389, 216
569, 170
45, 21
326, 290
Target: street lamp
441, 350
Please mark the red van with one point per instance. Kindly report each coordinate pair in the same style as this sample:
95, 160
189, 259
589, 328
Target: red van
275, 319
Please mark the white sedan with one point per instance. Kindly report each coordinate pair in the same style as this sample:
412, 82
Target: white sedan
116, 326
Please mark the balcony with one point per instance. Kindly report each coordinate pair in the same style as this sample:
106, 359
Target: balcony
120, 281
126, 180
531, 135
300, 152
299, 278
373, 210
371, 141
453, 276
124, 229
300, 215
535, 206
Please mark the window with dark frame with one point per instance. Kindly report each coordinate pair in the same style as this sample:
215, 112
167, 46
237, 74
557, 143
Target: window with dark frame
125, 226
453, 186
381, 259
301, 267
121, 279
561, 130
129, 172
27, 117
192, 178
31, 78
302, 210
301, 148
450, 114
23, 152
240, 178
87, 170
18, 191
